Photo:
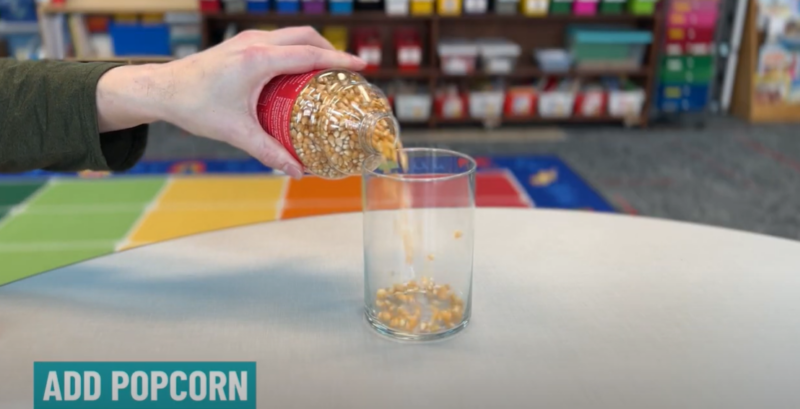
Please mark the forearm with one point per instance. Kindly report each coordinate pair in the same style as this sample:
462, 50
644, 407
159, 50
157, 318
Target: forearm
49, 119
133, 95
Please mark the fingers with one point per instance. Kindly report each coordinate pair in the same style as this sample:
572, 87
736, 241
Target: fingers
271, 153
299, 36
302, 59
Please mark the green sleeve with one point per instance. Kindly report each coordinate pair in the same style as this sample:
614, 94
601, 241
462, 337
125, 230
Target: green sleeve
48, 120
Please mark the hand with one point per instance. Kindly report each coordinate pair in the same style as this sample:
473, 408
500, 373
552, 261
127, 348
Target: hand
214, 93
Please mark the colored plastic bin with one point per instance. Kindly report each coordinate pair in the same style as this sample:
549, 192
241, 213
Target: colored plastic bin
687, 69
584, 8
561, 7
506, 7
138, 39
534, 8
340, 7
682, 97
448, 7
397, 7
313, 6
642, 7
257, 6
422, 7
597, 48
476, 6
612, 7
287, 6
699, 18
18, 10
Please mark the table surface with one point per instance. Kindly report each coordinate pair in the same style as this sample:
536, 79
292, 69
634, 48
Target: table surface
571, 310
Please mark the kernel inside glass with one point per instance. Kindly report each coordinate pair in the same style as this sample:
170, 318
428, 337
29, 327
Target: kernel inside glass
418, 243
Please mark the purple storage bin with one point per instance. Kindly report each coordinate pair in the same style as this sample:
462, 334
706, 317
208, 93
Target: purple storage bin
313, 7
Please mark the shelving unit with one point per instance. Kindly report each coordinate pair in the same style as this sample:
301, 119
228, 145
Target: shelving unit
529, 32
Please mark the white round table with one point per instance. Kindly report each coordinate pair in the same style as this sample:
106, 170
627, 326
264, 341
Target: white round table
571, 310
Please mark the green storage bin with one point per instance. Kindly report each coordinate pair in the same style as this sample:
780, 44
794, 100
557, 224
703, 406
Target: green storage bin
642, 7
687, 69
561, 7
608, 48
612, 7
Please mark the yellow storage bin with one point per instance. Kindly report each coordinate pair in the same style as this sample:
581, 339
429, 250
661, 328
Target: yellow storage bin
337, 36
421, 7
534, 7
448, 7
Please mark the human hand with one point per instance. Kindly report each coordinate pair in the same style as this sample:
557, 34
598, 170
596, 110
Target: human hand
214, 93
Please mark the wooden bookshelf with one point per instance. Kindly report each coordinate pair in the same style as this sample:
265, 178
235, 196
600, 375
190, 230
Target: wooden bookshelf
120, 6
529, 32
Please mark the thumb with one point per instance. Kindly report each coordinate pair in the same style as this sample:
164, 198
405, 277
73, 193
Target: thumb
270, 152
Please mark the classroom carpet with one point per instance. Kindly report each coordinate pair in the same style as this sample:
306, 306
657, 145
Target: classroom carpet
49, 221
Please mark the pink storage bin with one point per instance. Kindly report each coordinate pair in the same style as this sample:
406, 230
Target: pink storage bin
697, 19
584, 8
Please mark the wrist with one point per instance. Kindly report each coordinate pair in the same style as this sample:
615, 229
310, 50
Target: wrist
132, 95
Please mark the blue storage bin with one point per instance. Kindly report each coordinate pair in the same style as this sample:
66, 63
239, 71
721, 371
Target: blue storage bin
340, 6
140, 39
603, 47
287, 7
682, 97
18, 10
258, 6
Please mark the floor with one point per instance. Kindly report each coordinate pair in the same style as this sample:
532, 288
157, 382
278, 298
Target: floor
727, 174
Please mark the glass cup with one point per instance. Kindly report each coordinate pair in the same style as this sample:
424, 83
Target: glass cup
418, 243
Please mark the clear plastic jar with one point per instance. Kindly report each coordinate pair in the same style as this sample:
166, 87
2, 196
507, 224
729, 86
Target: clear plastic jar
418, 243
329, 120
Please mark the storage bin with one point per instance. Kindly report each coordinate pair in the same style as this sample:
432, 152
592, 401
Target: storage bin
313, 6
534, 8
448, 7
422, 7
608, 48
698, 19
625, 99
18, 10
476, 6
556, 98
506, 7
561, 7
234, 6
287, 6
257, 6
584, 8
138, 39
413, 107
498, 55
337, 36
520, 102
451, 104
340, 7
397, 7
408, 45
369, 5
642, 7
210, 6
686, 6
687, 69
612, 7
486, 104
554, 60
367, 43
682, 98
590, 101
458, 57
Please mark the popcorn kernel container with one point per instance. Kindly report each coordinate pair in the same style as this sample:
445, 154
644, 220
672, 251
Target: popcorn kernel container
331, 121
418, 243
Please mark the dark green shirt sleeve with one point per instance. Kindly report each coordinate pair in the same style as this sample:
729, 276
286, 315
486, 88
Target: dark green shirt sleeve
48, 120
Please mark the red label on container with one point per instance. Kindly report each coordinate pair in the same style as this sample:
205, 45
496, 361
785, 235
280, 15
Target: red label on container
275, 105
